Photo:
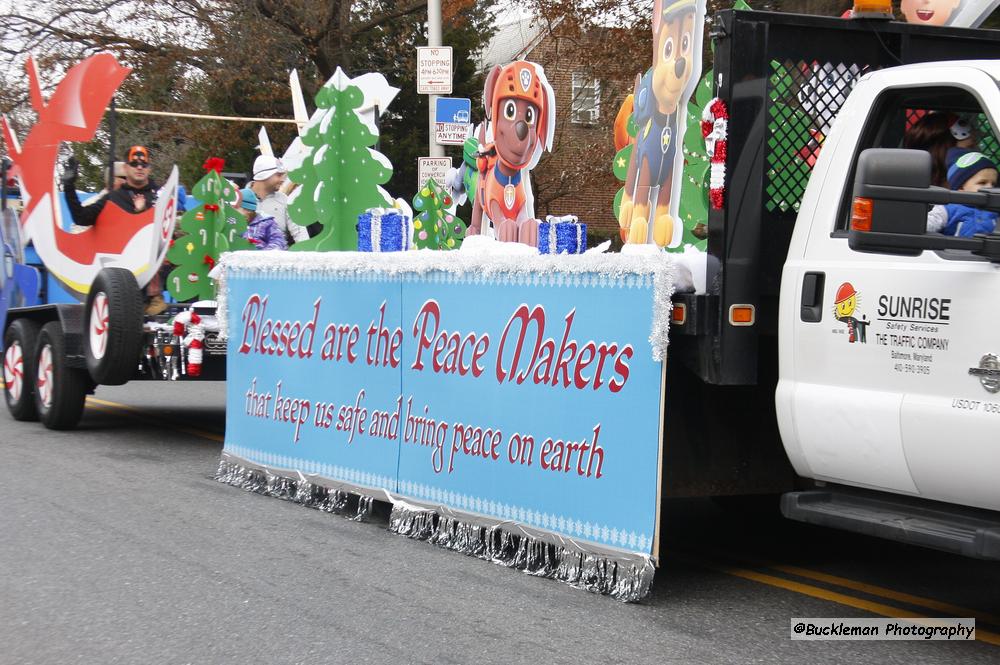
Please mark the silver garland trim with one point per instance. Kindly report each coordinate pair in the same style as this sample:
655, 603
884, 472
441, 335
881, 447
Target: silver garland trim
625, 576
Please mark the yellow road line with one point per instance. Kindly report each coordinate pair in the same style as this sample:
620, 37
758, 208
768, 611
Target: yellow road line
140, 414
874, 590
871, 589
864, 604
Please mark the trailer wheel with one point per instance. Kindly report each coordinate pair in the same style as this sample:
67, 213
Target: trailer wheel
113, 319
19, 368
60, 390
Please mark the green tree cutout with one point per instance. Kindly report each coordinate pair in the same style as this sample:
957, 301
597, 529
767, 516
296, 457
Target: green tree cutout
435, 227
207, 230
340, 175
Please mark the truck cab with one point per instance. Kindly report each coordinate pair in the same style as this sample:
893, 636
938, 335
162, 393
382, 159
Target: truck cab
887, 357
862, 387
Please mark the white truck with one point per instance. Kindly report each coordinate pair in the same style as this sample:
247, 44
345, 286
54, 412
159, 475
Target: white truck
874, 359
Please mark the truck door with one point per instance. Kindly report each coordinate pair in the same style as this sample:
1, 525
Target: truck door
875, 388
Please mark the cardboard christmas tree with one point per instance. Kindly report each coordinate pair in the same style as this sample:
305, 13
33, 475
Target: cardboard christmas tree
434, 227
207, 230
340, 174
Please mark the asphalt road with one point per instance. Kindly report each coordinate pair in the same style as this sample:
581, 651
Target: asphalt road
117, 546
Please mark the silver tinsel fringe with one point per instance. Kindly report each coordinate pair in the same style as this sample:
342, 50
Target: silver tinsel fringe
625, 577
261, 481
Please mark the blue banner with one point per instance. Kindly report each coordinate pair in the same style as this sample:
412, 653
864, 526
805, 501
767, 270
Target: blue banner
534, 400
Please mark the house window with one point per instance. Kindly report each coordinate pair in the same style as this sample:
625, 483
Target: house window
585, 109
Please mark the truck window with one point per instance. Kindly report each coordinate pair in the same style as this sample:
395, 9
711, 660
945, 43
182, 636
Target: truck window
898, 111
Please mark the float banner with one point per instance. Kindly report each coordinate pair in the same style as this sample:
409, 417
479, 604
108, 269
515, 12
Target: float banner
500, 391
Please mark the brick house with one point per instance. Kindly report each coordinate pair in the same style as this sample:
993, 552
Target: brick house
575, 178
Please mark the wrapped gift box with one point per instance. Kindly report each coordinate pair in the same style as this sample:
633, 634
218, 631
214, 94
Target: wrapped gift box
383, 230
562, 235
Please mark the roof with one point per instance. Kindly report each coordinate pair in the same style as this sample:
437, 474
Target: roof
513, 40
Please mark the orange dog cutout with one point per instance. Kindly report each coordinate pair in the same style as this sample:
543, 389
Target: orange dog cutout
520, 125
137, 242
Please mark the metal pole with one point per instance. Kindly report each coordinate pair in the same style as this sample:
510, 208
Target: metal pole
3, 183
112, 130
433, 39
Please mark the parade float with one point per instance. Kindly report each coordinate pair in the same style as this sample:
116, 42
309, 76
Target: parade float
516, 404
505, 389
55, 352
488, 390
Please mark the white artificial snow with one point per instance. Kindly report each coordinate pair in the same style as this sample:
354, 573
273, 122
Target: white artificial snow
380, 158
324, 124
599, 249
481, 259
320, 152
694, 262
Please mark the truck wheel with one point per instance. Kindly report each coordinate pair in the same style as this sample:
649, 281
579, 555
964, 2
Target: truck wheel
113, 319
60, 390
19, 368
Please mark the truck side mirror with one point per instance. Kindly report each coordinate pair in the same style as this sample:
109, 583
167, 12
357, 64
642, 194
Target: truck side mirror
892, 168
892, 195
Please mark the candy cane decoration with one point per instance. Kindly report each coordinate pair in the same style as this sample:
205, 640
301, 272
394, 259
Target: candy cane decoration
191, 333
715, 130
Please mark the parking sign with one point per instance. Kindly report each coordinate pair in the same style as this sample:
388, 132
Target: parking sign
452, 117
432, 167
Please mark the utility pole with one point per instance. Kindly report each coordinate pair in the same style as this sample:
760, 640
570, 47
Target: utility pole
433, 39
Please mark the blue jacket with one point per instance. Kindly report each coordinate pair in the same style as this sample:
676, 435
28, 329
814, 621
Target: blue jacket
966, 221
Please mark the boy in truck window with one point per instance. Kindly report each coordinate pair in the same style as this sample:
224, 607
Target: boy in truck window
968, 171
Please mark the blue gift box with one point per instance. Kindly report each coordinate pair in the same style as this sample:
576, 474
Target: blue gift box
383, 230
562, 235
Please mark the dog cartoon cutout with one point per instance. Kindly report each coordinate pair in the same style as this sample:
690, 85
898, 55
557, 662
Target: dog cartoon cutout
520, 126
649, 208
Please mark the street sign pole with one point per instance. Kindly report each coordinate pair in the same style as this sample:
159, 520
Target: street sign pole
433, 39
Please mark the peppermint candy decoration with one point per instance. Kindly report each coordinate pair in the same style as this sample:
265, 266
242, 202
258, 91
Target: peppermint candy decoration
715, 130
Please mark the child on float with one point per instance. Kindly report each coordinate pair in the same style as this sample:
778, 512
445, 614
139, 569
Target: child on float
968, 171
263, 232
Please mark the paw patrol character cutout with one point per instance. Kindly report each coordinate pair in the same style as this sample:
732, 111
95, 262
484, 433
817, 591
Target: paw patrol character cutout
650, 202
520, 119
845, 306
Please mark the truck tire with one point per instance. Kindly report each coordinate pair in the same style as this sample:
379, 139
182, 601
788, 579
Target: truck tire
60, 390
113, 321
19, 368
